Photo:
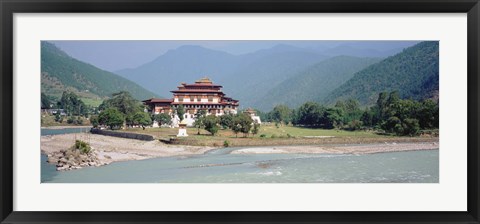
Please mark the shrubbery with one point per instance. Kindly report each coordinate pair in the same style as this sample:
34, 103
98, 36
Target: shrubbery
226, 143
82, 146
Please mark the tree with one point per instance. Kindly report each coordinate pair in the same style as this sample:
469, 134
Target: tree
256, 128
199, 120
162, 119
79, 120
355, 125
310, 114
111, 117
70, 120
392, 125
71, 104
242, 123
94, 121
211, 124
281, 114
402, 116
428, 114
181, 112
236, 128
142, 119
58, 117
46, 101
226, 121
410, 127
332, 118
382, 105
123, 102
369, 117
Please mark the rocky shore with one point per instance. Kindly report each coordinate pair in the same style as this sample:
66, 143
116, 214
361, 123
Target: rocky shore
106, 149
70, 159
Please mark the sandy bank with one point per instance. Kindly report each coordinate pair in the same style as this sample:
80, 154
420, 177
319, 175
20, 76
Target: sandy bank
342, 149
112, 149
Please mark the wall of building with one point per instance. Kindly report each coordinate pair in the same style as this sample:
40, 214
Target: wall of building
122, 134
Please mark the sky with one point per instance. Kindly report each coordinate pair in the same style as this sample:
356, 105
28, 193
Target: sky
113, 55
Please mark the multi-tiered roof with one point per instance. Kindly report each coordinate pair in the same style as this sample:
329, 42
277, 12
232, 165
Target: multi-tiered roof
201, 87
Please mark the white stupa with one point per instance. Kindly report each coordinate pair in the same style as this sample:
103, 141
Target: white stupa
182, 129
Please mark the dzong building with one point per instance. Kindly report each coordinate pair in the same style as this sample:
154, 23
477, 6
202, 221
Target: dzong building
201, 95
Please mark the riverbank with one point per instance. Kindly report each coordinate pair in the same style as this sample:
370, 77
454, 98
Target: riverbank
111, 149
273, 136
108, 149
341, 149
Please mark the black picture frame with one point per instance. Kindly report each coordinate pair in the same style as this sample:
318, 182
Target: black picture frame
9, 7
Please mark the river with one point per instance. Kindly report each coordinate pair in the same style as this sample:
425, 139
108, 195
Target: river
219, 166
64, 130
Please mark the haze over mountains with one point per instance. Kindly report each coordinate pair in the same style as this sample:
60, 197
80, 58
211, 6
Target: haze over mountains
292, 75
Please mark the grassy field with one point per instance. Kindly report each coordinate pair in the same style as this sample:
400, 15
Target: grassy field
302, 132
92, 102
271, 135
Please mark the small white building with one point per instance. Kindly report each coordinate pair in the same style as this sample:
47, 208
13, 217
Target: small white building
253, 115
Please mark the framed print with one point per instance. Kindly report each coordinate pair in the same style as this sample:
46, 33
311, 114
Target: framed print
263, 112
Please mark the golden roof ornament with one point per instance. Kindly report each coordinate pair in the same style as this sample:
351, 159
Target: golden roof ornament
204, 80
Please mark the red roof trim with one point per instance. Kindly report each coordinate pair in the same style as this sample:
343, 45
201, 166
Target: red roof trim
198, 103
156, 100
202, 85
196, 91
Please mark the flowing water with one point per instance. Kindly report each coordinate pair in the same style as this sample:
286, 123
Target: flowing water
219, 166
68, 130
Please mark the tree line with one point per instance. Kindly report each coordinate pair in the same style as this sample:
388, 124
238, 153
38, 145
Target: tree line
390, 114
70, 104
238, 123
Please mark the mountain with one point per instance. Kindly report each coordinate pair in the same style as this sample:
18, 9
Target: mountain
314, 83
244, 77
254, 80
414, 73
61, 72
184, 64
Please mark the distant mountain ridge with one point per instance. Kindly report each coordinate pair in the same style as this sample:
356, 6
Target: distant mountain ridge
184, 64
414, 73
61, 72
243, 76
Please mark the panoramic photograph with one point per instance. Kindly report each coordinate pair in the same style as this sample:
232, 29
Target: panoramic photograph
239, 111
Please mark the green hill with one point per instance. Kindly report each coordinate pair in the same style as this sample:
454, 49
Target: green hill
314, 83
61, 72
413, 73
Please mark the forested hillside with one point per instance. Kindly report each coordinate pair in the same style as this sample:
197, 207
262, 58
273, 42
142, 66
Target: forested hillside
61, 72
254, 80
414, 73
314, 83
